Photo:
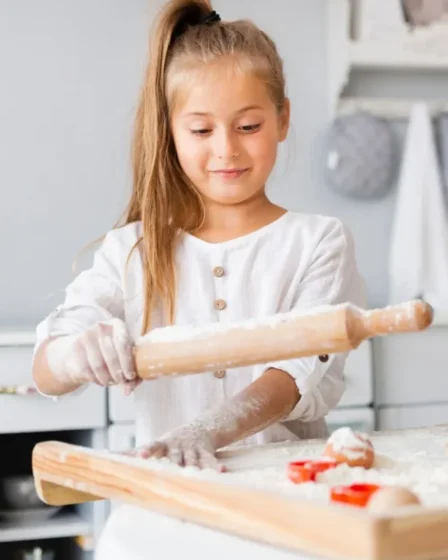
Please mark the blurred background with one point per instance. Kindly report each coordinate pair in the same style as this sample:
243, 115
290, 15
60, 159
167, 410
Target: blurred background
368, 83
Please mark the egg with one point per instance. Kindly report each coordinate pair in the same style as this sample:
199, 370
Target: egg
391, 497
348, 446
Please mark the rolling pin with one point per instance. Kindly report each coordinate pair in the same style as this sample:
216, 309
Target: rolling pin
183, 350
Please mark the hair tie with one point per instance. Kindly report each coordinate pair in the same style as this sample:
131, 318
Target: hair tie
211, 18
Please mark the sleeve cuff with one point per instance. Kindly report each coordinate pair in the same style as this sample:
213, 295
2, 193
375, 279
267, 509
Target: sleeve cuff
308, 374
43, 332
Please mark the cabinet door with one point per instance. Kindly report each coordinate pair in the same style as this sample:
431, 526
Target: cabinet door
35, 413
362, 420
121, 407
397, 418
358, 377
121, 437
411, 368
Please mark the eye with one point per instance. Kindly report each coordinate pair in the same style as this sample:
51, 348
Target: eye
250, 127
201, 131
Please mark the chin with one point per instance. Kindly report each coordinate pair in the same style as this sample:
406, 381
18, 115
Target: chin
234, 197
229, 200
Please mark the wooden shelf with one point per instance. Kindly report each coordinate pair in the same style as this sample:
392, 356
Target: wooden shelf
59, 526
17, 337
383, 54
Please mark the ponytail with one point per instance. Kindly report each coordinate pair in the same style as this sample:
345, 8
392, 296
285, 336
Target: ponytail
162, 197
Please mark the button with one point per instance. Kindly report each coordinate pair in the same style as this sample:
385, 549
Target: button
220, 304
324, 358
218, 271
220, 374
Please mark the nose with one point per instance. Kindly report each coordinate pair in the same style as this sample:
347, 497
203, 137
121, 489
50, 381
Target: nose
226, 145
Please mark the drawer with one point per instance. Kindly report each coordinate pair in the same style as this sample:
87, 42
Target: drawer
35, 413
411, 368
358, 377
121, 407
397, 418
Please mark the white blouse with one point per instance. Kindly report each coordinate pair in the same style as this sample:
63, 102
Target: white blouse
298, 261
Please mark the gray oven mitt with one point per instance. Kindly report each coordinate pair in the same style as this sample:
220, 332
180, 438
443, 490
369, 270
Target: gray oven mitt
361, 156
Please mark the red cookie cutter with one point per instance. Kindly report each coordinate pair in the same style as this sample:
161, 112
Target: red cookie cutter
307, 471
355, 494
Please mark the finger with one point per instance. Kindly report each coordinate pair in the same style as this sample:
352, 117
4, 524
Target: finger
110, 355
176, 456
191, 457
124, 350
127, 361
156, 451
130, 386
96, 361
208, 461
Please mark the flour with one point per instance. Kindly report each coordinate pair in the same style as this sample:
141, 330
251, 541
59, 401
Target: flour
417, 460
404, 311
63, 362
177, 333
226, 418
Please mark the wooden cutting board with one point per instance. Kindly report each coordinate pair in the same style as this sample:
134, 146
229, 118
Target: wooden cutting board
67, 474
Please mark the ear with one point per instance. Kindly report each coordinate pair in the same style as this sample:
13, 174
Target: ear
283, 120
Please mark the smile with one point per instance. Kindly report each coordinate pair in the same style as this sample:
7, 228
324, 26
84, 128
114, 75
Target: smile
230, 173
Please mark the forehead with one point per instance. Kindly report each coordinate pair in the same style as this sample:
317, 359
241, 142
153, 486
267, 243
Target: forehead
220, 89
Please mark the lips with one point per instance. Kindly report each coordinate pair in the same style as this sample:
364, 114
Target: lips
230, 173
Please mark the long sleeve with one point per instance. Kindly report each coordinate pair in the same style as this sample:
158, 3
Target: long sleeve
331, 278
94, 295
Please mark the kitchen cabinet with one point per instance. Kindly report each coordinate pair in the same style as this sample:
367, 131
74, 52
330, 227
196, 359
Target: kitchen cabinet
34, 412
417, 416
358, 374
409, 368
30, 418
78, 526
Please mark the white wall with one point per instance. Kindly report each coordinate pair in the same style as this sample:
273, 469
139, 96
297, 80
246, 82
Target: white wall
69, 76
68, 89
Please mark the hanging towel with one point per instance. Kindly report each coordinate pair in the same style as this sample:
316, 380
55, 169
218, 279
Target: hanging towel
418, 265
442, 140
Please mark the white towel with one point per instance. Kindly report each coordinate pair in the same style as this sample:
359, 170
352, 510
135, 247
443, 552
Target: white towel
418, 265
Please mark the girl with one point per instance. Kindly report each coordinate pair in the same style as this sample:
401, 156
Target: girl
202, 243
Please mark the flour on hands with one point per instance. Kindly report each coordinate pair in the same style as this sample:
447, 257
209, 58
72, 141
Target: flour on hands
102, 354
188, 446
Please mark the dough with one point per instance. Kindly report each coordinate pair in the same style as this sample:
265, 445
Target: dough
389, 498
350, 447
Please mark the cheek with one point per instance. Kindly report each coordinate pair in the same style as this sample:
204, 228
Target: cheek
263, 150
190, 152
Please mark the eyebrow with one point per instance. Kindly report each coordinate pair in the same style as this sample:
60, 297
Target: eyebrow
242, 110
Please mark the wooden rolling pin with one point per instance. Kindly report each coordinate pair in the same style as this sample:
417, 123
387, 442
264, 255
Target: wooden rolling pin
182, 350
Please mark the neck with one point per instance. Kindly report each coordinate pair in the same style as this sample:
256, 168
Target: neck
223, 223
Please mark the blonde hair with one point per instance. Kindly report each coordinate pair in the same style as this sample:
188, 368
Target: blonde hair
163, 198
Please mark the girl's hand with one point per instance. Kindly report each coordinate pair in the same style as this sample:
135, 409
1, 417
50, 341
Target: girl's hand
102, 355
187, 446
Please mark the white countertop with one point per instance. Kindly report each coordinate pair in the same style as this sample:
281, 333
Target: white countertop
20, 336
